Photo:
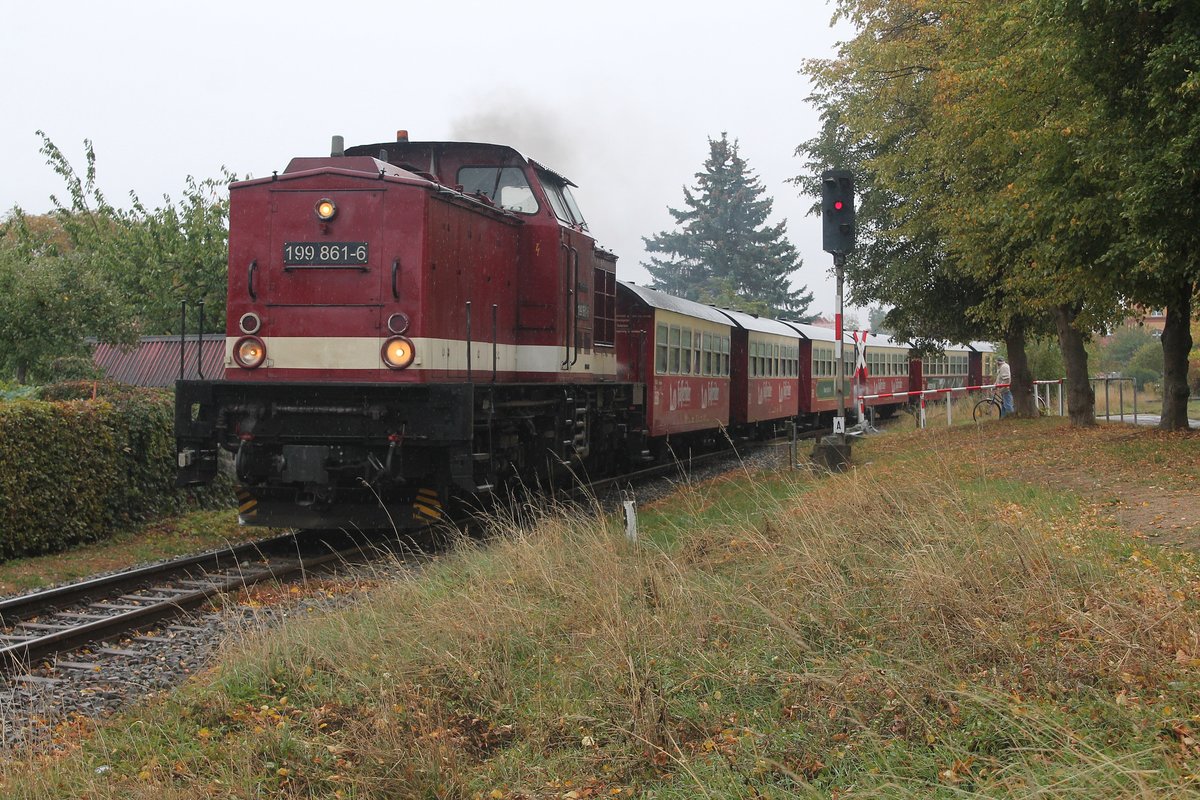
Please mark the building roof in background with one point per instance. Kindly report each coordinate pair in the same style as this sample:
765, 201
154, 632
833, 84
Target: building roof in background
155, 360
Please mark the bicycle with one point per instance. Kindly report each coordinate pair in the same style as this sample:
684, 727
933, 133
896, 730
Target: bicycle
990, 406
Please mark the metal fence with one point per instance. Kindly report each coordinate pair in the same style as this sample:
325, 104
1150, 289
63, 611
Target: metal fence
1120, 382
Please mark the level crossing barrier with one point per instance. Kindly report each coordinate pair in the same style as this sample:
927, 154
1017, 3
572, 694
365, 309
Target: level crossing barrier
949, 391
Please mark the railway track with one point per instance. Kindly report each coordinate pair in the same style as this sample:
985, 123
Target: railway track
37, 626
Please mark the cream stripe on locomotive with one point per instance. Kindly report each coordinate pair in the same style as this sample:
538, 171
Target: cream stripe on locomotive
363, 352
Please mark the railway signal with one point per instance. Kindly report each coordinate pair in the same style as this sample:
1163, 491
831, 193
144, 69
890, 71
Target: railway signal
837, 211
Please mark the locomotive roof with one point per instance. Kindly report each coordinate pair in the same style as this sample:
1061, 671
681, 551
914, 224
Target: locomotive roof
760, 324
400, 150
656, 299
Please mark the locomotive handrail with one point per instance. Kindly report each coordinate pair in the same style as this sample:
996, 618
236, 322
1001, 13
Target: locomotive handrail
574, 305
468, 341
395, 272
250, 270
567, 305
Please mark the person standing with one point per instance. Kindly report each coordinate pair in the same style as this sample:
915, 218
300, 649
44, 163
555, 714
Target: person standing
1004, 376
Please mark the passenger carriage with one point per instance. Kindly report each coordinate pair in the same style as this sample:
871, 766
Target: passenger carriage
766, 377
681, 351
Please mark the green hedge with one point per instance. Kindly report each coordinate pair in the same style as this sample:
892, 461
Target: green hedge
76, 469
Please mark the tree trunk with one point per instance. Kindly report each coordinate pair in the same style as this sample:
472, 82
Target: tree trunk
1081, 399
1022, 381
22, 373
1176, 344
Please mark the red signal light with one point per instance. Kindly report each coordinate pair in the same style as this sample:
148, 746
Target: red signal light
837, 205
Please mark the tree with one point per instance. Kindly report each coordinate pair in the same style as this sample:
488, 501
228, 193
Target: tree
1141, 59
158, 257
51, 300
724, 251
877, 320
992, 218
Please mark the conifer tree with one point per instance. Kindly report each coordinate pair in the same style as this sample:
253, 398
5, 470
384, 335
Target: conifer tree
723, 251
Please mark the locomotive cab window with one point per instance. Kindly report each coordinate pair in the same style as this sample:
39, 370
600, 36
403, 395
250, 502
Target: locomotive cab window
504, 186
558, 193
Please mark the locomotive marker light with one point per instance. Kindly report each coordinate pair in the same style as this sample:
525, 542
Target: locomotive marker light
326, 210
249, 352
837, 233
249, 322
398, 323
398, 352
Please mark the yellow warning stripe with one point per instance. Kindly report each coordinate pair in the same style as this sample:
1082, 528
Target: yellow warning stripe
246, 506
429, 512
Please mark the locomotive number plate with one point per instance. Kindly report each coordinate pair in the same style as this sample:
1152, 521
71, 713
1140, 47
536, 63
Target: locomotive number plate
325, 254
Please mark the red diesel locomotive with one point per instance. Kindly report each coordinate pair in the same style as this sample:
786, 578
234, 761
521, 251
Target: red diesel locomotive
408, 320
413, 321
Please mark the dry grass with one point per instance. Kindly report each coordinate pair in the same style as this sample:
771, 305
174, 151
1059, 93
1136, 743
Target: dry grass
914, 629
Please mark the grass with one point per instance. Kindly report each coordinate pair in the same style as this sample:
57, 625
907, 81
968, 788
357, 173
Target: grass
926, 626
190, 533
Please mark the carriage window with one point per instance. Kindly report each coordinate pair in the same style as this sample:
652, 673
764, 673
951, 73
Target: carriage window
674, 340
685, 346
708, 353
504, 186
660, 350
725, 356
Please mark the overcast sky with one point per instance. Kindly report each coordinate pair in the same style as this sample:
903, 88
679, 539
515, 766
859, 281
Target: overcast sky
619, 96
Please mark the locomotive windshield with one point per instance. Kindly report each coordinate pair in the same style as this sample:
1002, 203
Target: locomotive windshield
561, 199
504, 186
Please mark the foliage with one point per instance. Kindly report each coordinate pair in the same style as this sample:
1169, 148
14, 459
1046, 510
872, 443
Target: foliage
1140, 60
1115, 354
724, 251
157, 256
51, 300
1145, 365
94, 270
73, 469
1045, 359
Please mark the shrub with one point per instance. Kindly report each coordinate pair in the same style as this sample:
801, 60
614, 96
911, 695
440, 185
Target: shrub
75, 469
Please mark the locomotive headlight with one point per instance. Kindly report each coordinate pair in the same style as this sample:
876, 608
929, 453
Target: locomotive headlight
398, 352
326, 210
249, 352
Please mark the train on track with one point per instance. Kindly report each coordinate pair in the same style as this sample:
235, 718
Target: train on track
410, 322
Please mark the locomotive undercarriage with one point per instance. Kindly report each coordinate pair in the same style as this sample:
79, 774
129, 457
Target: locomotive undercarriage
386, 456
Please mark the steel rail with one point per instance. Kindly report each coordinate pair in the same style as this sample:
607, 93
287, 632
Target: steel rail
19, 652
